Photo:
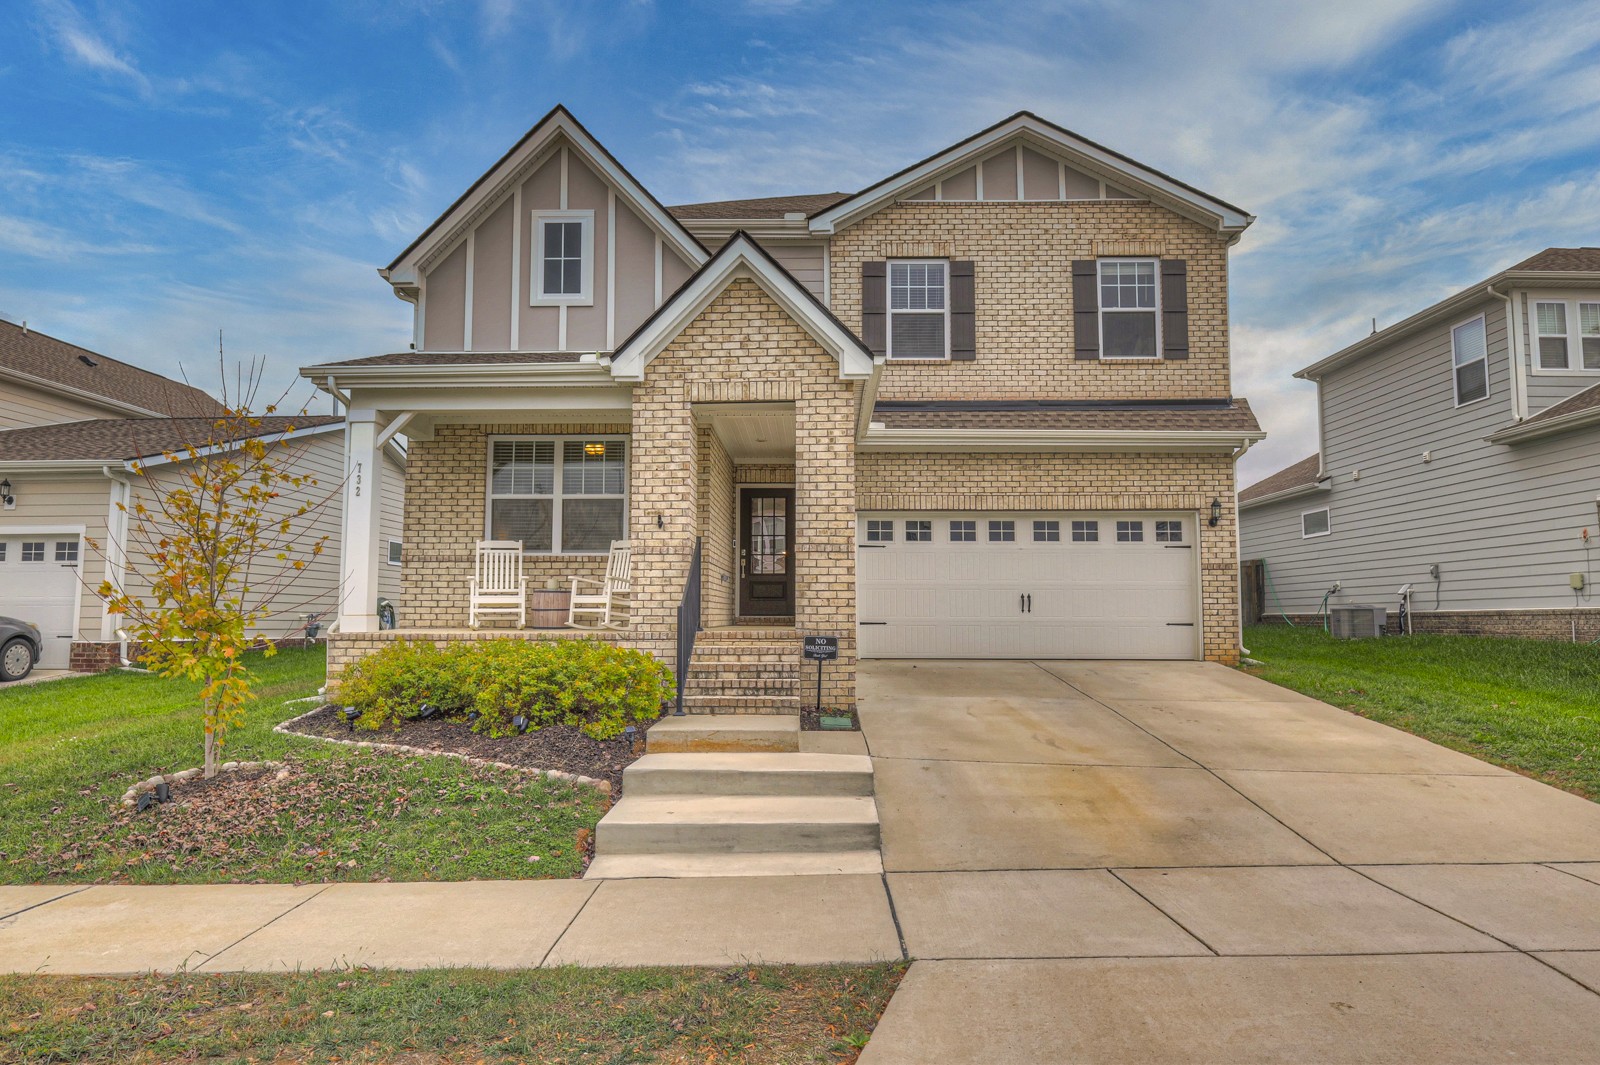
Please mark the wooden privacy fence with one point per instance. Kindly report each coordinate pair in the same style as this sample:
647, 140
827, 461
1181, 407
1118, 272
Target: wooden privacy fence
1252, 590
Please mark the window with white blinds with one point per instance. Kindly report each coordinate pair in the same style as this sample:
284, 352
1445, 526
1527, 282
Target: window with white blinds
1469, 345
558, 495
919, 309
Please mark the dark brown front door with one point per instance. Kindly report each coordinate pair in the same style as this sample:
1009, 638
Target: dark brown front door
766, 552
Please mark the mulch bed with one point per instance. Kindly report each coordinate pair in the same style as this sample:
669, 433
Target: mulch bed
811, 719
552, 747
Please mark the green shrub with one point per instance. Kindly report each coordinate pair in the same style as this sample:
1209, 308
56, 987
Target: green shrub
590, 684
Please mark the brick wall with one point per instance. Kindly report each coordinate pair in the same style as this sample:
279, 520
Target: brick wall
1022, 264
1522, 624
446, 493
1090, 481
745, 348
718, 530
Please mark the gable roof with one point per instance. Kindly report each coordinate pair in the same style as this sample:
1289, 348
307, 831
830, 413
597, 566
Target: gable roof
1581, 265
741, 256
1027, 126
122, 439
761, 207
40, 358
491, 187
1301, 476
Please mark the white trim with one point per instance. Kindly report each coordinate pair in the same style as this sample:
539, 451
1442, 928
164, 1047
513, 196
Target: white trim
1100, 306
827, 272
1084, 155
563, 156
611, 268
466, 304
1061, 180
1573, 309
516, 270
881, 439
555, 496
660, 274
1021, 192
1455, 367
584, 297
1316, 510
43, 530
740, 258
889, 312
977, 168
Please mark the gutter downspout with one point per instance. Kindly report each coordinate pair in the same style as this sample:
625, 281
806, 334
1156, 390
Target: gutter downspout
1519, 386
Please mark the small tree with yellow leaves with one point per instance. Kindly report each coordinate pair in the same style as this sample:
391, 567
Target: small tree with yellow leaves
214, 546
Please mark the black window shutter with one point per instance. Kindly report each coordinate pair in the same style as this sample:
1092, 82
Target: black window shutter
1085, 309
1174, 309
875, 307
963, 306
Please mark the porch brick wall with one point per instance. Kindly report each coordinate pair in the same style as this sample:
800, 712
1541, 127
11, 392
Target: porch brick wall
1022, 257
1089, 481
744, 348
446, 494
718, 524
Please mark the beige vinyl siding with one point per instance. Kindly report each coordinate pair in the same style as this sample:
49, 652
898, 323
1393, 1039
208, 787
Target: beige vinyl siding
55, 500
803, 260
1503, 522
23, 405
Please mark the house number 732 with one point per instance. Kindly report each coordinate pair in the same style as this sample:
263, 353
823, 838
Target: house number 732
356, 479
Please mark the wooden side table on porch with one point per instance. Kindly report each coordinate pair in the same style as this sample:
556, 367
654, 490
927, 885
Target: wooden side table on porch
547, 608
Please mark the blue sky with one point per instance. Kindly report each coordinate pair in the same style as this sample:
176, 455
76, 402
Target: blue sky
168, 169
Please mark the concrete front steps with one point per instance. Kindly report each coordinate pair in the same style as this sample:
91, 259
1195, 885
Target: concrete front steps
732, 796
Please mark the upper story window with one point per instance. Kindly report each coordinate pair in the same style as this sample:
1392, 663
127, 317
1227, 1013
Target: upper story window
919, 309
1557, 346
1469, 348
563, 257
1130, 311
558, 495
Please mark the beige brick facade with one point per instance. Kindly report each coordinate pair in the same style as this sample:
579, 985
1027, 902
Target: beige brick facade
1022, 257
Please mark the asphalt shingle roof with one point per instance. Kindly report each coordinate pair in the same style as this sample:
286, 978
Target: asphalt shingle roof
1562, 259
1233, 415
459, 358
761, 207
119, 439
43, 356
1301, 475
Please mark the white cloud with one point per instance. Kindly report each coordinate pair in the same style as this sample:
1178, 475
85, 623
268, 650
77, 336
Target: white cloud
79, 42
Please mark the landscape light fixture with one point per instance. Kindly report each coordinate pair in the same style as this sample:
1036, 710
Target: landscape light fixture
163, 792
5, 493
146, 801
472, 717
350, 715
1216, 512
520, 723
427, 712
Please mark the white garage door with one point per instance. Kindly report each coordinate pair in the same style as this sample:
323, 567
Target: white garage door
1015, 585
39, 583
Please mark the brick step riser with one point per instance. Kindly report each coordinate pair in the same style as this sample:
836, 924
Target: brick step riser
741, 704
742, 686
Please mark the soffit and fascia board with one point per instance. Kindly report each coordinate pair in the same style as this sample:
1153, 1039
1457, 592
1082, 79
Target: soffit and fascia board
1298, 491
881, 439
489, 191
1062, 143
1448, 308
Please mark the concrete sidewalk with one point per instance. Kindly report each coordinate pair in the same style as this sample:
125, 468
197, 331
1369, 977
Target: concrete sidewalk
488, 924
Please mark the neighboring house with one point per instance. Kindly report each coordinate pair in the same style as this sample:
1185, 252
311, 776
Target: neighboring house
981, 408
72, 424
1459, 457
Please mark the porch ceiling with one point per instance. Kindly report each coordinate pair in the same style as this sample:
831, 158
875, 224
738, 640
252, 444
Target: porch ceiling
752, 432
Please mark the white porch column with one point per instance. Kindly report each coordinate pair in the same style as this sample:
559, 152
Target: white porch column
363, 493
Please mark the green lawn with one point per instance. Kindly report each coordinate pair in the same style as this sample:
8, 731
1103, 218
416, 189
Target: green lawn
760, 1014
70, 748
1529, 705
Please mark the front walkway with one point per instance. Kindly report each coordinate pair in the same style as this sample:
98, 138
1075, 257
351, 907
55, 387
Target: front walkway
1090, 861
1177, 862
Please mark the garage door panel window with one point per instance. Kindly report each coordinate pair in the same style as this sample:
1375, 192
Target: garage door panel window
1169, 532
919, 532
33, 551
963, 532
66, 551
879, 532
1130, 532
1002, 532
1085, 532
1047, 532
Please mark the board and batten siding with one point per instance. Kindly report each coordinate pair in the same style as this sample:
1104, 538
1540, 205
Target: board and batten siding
476, 296
1504, 523
23, 405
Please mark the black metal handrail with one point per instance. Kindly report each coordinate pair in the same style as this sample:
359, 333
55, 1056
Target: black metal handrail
688, 623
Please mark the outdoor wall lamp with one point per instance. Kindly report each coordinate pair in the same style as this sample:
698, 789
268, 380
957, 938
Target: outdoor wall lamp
6, 497
1216, 512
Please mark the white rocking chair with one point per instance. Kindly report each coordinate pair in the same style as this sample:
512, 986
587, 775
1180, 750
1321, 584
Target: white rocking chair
606, 601
499, 590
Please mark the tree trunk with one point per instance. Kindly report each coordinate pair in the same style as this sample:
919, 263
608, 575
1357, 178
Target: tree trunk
211, 754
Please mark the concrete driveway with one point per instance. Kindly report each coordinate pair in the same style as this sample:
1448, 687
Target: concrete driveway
1178, 862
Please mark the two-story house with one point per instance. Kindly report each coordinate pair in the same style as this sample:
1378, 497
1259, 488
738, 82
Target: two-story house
83, 439
979, 409
1459, 459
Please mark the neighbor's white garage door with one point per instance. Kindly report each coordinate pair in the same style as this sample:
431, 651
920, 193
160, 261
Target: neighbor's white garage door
39, 583
1024, 585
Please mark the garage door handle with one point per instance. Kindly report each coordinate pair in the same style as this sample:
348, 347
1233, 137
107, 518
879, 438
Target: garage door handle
1030, 602
1022, 604
1179, 547
872, 545
1180, 624
872, 623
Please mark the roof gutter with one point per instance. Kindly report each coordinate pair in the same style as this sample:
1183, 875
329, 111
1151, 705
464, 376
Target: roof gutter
1535, 429
332, 376
885, 439
1315, 488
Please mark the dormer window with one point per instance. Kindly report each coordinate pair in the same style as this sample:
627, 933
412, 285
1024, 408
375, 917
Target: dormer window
563, 257
919, 312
